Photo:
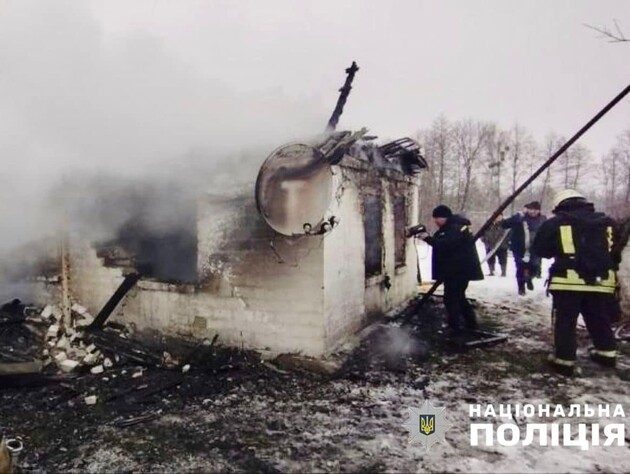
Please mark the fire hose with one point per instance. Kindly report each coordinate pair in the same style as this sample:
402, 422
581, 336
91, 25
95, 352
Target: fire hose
535, 175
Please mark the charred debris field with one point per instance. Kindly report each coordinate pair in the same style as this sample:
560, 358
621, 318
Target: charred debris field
210, 408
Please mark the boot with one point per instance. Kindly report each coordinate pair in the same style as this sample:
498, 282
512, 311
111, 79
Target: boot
503, 270
604, 358
530, 284
563, 367
521, 289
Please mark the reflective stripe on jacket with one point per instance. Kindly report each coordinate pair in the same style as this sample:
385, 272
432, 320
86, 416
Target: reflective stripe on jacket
566, 278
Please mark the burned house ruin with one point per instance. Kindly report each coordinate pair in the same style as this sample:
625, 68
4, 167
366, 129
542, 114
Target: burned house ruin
297, 263
257, 287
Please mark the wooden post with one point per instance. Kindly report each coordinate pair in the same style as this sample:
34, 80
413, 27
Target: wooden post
65, 281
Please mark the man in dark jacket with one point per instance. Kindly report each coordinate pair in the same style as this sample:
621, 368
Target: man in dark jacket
494, 236
455, 262
524, 226
582, 278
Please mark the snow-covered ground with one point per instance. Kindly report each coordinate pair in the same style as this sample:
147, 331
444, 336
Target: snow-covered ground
272, 421
355, 425
515, 373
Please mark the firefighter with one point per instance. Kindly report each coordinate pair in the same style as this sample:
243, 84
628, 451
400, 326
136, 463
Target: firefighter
454, 262
524, 226
581, 279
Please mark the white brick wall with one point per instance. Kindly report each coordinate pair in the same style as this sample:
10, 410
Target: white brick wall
348, 299
344, 268
303, 295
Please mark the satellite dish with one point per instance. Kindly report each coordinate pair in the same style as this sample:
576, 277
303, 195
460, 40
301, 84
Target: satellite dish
294, 189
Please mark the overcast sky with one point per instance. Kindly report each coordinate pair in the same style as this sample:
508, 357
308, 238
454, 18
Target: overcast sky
129, 80
121, 85
531, 61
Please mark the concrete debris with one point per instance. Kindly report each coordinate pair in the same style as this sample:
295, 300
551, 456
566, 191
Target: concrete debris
61, 348
42, 348
63, 343
92, 358
77, 308
169, 361
97, 369
90, 400
68, 365
53, 331
57, 314
77, 353
47, 312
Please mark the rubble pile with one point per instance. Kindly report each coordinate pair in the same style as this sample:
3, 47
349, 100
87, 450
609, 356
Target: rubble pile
138, 401
66, 347
41, 346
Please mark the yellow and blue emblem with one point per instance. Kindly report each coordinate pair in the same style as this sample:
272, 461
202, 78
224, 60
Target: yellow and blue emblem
427, 424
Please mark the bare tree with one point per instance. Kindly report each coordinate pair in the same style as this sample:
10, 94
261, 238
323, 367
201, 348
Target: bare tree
611, 164
439, 147
473, 164
579, 155
552, 143
496, 150
623, 150
470, 141
521, 155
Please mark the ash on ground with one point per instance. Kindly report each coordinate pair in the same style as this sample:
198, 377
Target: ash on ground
220, 409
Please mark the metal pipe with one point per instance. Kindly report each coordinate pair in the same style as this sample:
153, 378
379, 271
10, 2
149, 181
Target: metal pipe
537, 173
15, 447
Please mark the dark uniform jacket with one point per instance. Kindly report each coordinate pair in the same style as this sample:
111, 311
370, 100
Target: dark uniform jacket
454, 252
517, 238
558, 238
493, 235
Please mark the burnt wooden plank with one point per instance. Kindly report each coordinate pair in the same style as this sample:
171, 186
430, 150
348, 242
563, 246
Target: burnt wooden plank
128, 283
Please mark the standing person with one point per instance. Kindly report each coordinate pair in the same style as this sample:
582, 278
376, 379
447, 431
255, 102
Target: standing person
454, 262
581, 279
495, 235
524, 226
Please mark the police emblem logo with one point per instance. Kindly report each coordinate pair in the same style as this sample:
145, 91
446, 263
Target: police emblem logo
426, 425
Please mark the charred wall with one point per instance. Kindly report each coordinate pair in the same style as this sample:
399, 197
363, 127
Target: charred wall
155, 232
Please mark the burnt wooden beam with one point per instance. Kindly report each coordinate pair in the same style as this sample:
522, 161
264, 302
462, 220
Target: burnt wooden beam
344, 92
128, 283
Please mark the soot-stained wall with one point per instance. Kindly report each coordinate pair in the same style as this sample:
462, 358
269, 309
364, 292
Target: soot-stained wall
260, 290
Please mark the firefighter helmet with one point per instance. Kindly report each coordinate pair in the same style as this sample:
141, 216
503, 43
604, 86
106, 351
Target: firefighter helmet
565, 194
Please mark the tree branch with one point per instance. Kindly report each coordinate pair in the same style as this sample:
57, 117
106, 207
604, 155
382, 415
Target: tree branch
616, 36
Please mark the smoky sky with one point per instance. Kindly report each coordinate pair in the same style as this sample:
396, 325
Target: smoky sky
112, 89
531, 61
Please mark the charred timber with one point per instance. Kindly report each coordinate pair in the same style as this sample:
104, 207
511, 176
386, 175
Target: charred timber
344, 92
